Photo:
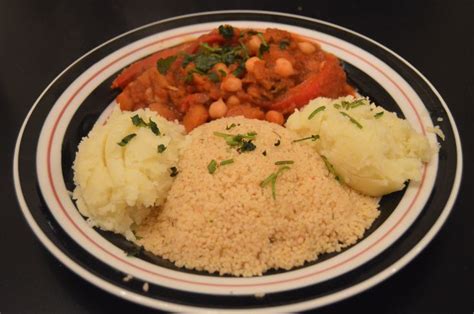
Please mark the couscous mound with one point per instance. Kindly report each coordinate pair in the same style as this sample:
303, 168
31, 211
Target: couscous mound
229, 218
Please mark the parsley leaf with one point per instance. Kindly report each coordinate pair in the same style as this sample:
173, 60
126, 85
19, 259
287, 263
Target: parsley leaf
137, 121
153, 127
161, 148
173, 171
284, 44
126, 139
212, 166
226, 31
319, 109
164, 64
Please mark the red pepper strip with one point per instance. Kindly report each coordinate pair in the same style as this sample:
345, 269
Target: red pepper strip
330, 81
134, 70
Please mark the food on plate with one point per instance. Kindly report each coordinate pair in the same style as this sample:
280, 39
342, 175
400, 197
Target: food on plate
123, 168
232, 72
214, 159
241, 211
369, 148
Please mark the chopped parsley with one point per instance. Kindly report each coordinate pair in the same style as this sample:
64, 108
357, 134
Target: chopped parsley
161, 148
226, 31
351, 119
212, 166
214, 77
243, 142
284, 162
240, 70
284, 43
153, 127
164, 64
223, 73
271, 179
137, 121
247, 146
312, 138
357, 103
319, 109
264, 47
331, 168
173, 171
126, 139
378, 115
227, 162
233, 125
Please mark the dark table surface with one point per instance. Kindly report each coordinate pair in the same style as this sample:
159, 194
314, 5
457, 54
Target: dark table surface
38, 39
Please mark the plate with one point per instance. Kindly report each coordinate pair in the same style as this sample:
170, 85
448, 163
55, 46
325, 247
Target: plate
80, 97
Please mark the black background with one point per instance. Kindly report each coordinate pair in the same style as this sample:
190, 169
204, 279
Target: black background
38, 39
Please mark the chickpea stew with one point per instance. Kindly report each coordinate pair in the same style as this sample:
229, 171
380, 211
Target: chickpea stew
232, 72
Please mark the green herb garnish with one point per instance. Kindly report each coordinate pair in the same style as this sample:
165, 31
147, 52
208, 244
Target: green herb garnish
243, 142
173, 171
312, 138
205, 46
351, 119
247, 146
164, 64
226, 31
284, 44
212, 166
153, 127
271, 179
126, 139
378, 115
357, 103
240, 70
223, 73
264, 47
214, 77
319, 109
137, 121
284, 162
226, 162
204, 62
161, 148
331, 168
233, 125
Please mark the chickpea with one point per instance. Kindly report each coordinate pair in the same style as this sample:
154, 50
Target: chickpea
217, 109
275, 117
250, 63
306, 47
233, 100
231, 84
283, 67
220, 67
254, 44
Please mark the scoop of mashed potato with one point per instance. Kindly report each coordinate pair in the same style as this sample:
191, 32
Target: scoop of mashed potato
369, 148
117, 185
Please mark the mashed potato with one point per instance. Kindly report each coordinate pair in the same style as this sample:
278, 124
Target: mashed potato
370, 149
116, 186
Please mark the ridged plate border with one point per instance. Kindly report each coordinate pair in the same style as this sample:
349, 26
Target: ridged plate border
378, 268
